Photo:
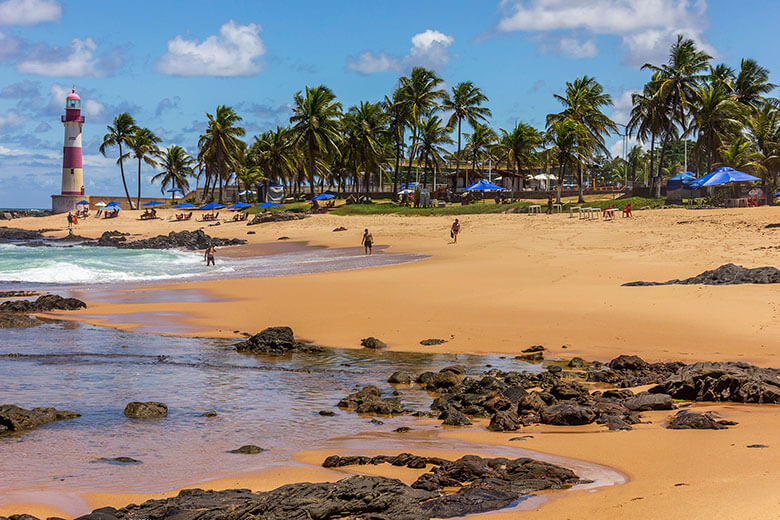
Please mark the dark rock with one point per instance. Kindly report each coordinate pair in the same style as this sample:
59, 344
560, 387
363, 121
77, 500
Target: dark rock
554, 369
614, 422
274, 216
536, 357
340, 228
645, 401
19, 235
45, 303
119, 460
514, 393
283, 238
577, 362
568, 390
736, 382
403, 459
18, 321
373, 343
504, 421
629, 371
376, 421
531, 403
402, 429
568, 414
400, 378
190, 240
452, 417
275, 341
369, 400
16, 419
455, 369
443, 380
424, 378
210, 413
535, 348
432, 341
757, 446
685, 420
248, 449
624, 362
147, 410
727, 274
327, 413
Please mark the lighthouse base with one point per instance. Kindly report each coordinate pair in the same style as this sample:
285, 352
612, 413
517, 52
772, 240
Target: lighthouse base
65, 203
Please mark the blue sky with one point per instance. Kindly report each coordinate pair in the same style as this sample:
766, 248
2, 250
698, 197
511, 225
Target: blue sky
169, 62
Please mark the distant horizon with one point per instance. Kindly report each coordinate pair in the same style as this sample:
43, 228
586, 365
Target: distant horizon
190, 60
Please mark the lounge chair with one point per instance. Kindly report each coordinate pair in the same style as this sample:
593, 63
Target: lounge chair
627, 210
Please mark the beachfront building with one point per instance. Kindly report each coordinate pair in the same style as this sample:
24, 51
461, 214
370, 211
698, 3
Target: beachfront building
72, 172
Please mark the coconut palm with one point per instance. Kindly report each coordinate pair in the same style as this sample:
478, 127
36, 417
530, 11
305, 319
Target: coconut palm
517, 147
752, 84
397, 120
479, 144
365, 128
465, 103
275, 154
177, 166
584, 101
315, 123
570, 147
419, 94
740, 155
143, 144
220, 146
429, 149
716, 117
763, 130
118, 134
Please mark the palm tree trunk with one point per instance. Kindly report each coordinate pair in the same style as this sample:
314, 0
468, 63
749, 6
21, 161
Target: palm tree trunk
580, 199
411, 154
652, 157
660, 166
311, 167
560, 182
124, 182
457, 157
397, 165
138, 204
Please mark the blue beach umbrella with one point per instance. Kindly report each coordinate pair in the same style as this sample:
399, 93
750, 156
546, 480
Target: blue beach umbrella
484, 185
153, 203
323, 196
267, 205
212, 205
82, 202
112, 204
175, 190
409, 186
239, 205
184, 205
724, 175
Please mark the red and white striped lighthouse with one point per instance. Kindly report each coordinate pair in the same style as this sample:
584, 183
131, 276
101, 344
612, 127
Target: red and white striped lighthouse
72, 172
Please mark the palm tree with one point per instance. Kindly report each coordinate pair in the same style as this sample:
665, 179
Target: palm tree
479, 144
465, 103
119, 134
752, 83
722, 75
398, 119
518, 146
364, 129
741, 155
430, 145
177, 166
315, 122
275, 154
649, 116
143, 143
249, 177
583, 102
569, 146
716, 117
763, 130
635, 159
220, 145
419, 94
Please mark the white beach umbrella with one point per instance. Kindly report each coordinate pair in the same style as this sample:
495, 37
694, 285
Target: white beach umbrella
101, 204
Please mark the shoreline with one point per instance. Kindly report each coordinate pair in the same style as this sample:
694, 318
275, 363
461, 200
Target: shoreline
515, 281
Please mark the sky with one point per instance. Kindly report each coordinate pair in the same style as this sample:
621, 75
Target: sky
170, 62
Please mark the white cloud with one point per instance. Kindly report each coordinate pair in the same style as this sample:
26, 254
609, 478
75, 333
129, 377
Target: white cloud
622, 106
429, 49
616, 150
10, 46
233, 53
646, 27
29, 12
574, 49
78, 59
11, 119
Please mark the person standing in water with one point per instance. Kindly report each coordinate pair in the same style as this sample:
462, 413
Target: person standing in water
209, 256
368, 241
454, 230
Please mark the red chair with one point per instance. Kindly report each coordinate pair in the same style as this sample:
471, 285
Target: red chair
752, 202
627, 210
604, 211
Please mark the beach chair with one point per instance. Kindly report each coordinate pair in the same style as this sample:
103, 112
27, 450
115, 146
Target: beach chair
627, 210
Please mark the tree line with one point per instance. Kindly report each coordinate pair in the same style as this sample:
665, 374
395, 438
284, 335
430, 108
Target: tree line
690, 112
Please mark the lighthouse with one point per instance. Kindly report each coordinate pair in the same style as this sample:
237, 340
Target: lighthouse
72, 172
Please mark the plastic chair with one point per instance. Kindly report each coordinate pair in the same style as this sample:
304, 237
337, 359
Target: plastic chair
627, 210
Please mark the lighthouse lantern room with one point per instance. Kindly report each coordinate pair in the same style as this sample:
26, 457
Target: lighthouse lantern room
72, 172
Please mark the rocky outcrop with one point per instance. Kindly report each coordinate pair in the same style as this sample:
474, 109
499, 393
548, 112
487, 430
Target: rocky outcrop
20, 235
18, 321
45, 303
274, 216
373, 343
400, 378
14, 419
432, 341
404, 459
628, 371
736, 382
568, 414
453, 417
191, 240
275, 341
369, 400
645, 401
685, 420
727, 274
147, 410
248, 449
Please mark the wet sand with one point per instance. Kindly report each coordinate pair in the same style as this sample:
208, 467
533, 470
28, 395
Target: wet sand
517, 280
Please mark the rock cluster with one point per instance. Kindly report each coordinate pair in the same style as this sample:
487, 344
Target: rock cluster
191, 240
628, 371
404, 459
16, 419
147, 410
370, 400
275, 341
685, 420
45, 303
275, 216
727, 274
733, 381
20, 235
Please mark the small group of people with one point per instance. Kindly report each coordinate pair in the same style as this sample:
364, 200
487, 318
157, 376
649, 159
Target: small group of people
149, 213
368, 239
73, 220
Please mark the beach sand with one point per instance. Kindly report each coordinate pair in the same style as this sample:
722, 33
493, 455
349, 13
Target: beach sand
516, 280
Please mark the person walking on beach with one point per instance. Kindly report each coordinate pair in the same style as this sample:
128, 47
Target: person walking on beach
549, 204
368, 241
454, 230
209, 256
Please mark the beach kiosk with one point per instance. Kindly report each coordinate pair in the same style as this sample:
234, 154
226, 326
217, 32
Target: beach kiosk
72, 172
